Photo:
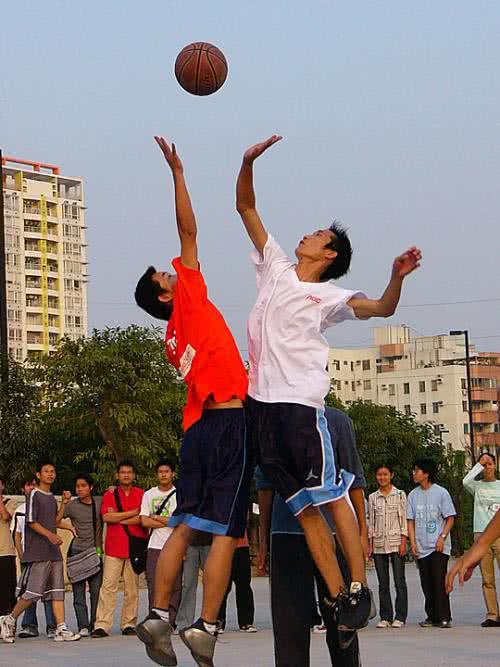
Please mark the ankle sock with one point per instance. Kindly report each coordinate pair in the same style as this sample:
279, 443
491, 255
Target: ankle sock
211, 628
162, 613
61, 626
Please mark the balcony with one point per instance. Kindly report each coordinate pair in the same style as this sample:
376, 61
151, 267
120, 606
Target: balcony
485, 372
484, 394
487, 439
392, 350
485, 417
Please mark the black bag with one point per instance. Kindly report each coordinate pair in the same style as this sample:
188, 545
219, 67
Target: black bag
137, 546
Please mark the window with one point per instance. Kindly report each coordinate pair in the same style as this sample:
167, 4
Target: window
423, 408
353, 386
421, 386
437, 429
464, 383
434, 385
367, 384
466, 429
406, 388
407, 410
352, 365
392, 390
464, 406
366, 364
435, 408
345, 363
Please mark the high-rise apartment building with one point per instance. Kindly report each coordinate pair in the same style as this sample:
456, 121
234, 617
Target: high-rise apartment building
46, 262
425, 376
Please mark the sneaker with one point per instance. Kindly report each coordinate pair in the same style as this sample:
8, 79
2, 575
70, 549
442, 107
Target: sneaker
84, 632
245, 628
65, 635
129, 631
319, 629
200, 642
28, 631
490, 623
383, 624
427, 623
8, 629
353, 608
398, 624
444, 625
98, 633
157, 635
51, 632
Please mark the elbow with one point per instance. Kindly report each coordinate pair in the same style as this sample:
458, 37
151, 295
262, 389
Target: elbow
388, 311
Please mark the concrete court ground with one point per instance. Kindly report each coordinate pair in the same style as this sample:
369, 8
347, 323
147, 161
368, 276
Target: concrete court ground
466, 645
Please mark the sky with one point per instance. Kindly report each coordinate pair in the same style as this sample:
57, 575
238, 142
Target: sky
390, 112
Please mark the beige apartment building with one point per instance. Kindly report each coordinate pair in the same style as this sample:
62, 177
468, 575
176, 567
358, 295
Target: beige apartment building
425, 376
45, 257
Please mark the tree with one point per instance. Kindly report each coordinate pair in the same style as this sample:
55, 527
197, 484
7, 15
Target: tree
113, 396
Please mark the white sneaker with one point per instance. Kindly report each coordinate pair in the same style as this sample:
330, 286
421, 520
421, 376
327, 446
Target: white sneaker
398, 624
319, 629
383, 624
65, 635
248, 628
84, 632
8, 629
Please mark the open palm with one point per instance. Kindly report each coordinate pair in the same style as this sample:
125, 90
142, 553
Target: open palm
170, 154
407, 262
256, 151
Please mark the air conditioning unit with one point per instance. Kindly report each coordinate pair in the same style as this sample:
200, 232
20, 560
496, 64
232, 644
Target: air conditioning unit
440, 402
440, 380
384, 387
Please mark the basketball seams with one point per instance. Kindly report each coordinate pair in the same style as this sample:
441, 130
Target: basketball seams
178, 73
197, 75
204, 74
218, 81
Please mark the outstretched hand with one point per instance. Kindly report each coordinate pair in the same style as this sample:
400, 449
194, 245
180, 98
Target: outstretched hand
256, 151
464, 566
170, 153
406, 263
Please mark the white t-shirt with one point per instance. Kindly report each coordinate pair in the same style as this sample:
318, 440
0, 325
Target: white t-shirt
287, 351
18, 520
151, 501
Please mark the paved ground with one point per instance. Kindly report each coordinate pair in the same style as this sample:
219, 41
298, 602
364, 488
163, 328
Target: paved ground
466, 645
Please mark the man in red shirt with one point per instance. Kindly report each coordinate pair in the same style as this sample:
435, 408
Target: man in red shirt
116, 553
214, 478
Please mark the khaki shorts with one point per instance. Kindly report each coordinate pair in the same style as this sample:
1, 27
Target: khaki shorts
42, 580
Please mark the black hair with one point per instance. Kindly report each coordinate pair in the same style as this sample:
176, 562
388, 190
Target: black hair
86, 478
146, 295
44, 462
341, 244
428, 466
492, 457
383, 465
28, 478
165, 462
126, 463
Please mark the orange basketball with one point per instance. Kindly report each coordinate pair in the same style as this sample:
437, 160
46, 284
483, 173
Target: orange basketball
201, 68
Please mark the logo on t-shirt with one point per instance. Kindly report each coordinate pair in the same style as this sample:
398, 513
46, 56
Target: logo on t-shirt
186, 361
315, 299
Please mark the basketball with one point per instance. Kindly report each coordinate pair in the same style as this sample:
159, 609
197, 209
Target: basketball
201, 68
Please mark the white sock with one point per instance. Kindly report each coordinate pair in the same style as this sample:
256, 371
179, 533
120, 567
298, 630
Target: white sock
210, 627
162, 613
61, 626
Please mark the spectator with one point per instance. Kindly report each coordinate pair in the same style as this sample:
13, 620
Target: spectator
387, 532
431, 515
29, 623
85, 514
158, 504
7, 553
43, 577
241, 575
196, 557
486, 492
116, 553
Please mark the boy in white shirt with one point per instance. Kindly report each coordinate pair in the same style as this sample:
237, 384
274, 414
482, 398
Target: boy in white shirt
158, 505
288, 357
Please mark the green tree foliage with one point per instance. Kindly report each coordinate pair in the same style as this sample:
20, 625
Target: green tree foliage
111, 396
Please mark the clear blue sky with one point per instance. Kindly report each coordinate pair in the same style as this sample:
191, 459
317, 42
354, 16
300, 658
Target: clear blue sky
390, 112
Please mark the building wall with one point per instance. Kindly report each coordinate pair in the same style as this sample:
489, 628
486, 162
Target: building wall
46, 257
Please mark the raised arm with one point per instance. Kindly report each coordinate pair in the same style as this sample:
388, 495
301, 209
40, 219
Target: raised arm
245, 194
186, 221
387, 304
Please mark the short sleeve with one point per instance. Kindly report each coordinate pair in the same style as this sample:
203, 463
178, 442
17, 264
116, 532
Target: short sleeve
19, 523
446, 505
145, 506
108, 503
272, 258
190, 289
11, 506
410, 507
341, 309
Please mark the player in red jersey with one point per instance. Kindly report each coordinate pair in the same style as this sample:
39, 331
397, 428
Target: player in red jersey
214, 479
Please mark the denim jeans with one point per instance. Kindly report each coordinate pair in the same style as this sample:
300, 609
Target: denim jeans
80, 600
30, 618
398, 571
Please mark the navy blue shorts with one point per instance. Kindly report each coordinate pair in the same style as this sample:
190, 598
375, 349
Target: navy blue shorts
215, 474
294, 450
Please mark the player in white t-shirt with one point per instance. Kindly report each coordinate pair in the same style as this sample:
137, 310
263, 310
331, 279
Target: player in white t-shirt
158, 505
288, 355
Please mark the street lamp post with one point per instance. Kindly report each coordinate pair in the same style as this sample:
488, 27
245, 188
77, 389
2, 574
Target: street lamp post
465, 333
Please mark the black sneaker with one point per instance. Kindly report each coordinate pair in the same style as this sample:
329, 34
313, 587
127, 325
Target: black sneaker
156, 634
129, 631
488, 623
99, 634
444, 625
353, 608
200, 642
28, 631
427, 623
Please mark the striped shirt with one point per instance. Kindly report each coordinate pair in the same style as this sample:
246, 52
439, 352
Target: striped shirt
387, 520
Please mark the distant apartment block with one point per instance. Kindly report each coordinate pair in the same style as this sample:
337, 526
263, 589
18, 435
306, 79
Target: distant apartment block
46, 257
424, 376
